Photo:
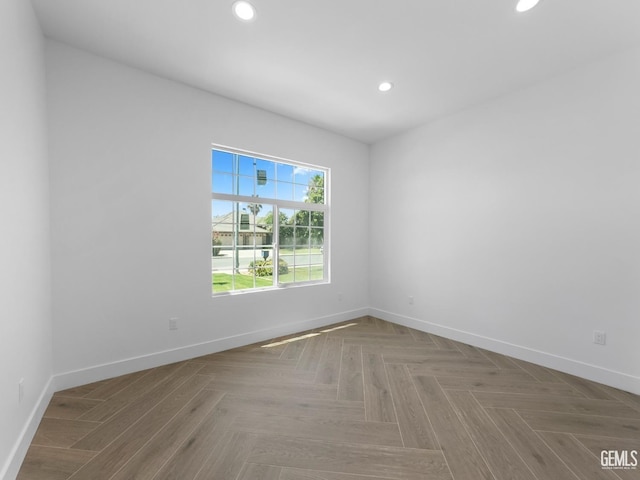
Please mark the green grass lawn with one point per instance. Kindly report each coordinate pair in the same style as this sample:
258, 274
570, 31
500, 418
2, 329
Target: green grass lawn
222, 282
303, 274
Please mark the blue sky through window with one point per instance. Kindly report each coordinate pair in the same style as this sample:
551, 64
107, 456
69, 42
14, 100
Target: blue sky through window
236, 174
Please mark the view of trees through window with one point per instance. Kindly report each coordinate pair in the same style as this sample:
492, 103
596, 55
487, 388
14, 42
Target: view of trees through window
248, 194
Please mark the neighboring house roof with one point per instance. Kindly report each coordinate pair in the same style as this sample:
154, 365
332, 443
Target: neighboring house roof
224, 223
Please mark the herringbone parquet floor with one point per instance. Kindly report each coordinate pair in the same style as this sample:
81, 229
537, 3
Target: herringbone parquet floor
363, 400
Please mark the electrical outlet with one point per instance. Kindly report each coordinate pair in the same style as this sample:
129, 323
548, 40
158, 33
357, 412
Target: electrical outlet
20, 390
340, 297
410, 300
599, 338
173, 323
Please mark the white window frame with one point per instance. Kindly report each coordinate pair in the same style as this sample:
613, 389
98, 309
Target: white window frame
277, 206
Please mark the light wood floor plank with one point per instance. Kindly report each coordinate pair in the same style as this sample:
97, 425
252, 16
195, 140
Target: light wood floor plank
413, 421
70, 408
275, 389
84, 390
377, 396
583, 463
587, 388
504, 462
629, 399
292, 405
145, 463
101, 436
117, 453
318, 428
499, 384
540, 373
253, 471
463, 458
446, 358
552, 403
46, 463
475, 371
250, 359
535, 453
471, 352
422, 337
115, 385
263, 375
207, 441
596, 444
414, 349
298, 474
62, 433
392, 462
230, 462
132, 392
444, 343
498, 360
293, 351
328, 369
582, 424
311, 355
350, 386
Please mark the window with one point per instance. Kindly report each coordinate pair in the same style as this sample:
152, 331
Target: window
266, 212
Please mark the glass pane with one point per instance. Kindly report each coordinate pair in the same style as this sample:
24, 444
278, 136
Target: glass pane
222, 183
316, 272
255, 209
315, 189
317, 173
268, 190
302, 175
246, 166
221, 282
302, 238
286, 230
284, 173
302, 217
300, 192
245, 186
287, 264
221, 161
317, 219
317, 237
316, 258
268, 167
302, 274
303, 256
284, 190
221, 211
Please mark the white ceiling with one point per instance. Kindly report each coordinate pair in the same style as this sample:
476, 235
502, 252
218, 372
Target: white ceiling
319, 61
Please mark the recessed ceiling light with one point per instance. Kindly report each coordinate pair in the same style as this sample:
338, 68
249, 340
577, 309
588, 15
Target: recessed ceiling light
385, 86
244, 11
525, 5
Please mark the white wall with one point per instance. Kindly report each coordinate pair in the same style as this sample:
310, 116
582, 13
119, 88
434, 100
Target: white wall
25, 276
515, 224
130, 180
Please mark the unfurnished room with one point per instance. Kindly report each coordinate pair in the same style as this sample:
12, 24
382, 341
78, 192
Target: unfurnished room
320, 240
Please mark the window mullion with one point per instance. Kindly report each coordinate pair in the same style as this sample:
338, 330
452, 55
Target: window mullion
275, 242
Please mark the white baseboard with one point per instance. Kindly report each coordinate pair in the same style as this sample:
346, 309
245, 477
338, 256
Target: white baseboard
595, 373
19, 451
100, 372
